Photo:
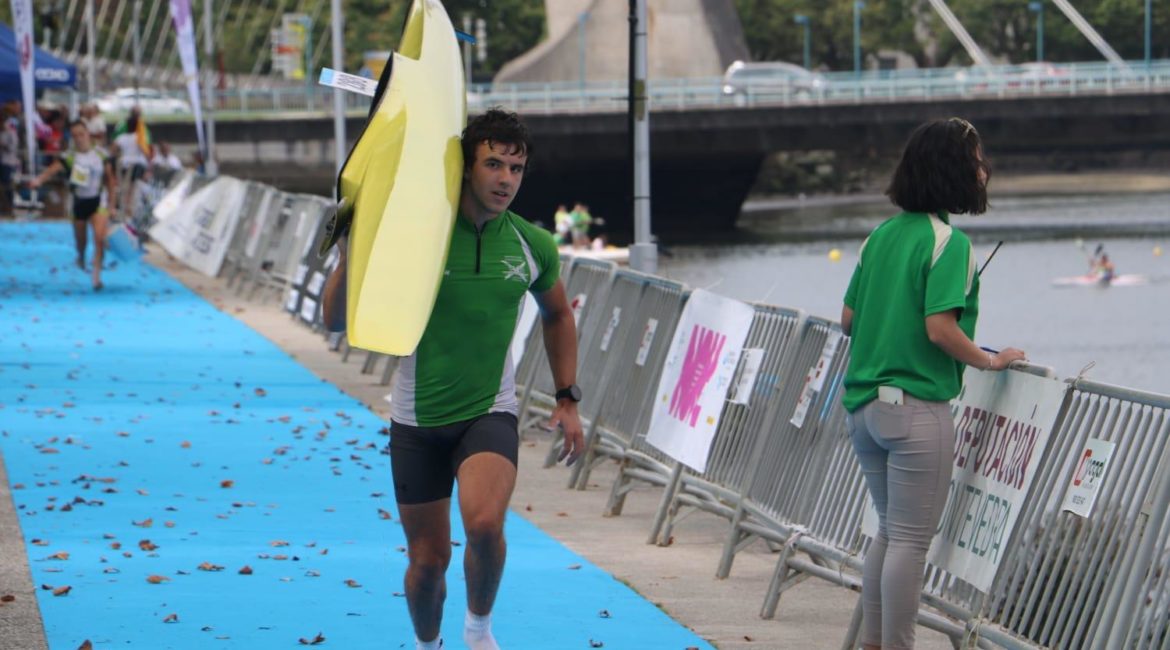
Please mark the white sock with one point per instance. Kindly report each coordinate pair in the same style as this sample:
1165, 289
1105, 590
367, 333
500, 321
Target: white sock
477, 632
436, 644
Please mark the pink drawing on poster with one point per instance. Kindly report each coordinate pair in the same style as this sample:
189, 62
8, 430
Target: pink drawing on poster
698, 367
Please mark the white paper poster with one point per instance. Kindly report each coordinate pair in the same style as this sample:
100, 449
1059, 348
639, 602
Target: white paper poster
201, 228
1002, 424
308, 309
290, 300
578, 306
610, 327
753, 358
648, 333
700, 365
1088, 476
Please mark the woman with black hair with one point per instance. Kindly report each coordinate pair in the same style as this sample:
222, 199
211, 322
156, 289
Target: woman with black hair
911, 308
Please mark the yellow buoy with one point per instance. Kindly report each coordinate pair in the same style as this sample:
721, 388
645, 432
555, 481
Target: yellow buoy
835, 255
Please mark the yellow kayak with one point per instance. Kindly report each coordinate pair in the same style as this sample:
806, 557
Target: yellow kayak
402, 181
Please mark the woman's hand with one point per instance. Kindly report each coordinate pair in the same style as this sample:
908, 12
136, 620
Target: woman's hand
1003, 359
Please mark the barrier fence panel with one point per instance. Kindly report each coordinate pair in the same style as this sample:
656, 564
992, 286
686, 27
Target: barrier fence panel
774, 334
625, 433
256, 199
589, 282
622, 435
534, 348
836, 501
625, 411
771, 504
595, 365
265, 223
303, 298
295, 227
1071, 581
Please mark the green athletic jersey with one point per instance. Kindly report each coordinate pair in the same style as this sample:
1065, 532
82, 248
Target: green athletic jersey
910, 267
462, 367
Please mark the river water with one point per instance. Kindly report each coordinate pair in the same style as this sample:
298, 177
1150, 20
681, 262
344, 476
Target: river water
780, 255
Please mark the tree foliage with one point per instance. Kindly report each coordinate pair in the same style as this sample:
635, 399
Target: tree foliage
512, 27
1004, 29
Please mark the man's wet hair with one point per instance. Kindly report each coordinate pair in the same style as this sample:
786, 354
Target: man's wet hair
940, 170
496, 126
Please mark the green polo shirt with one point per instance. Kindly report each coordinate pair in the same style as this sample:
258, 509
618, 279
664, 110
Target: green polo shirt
910, 267
462, 367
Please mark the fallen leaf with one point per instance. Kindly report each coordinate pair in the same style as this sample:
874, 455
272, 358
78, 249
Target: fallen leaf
156, 579
246, 571
605, 614
7, 598
278, 542
85, 645
40, 542
171, 618
595, 644
185, 444
260, 392
147, 545
208, 566
61, 591
385, 515
317, 640
226, 484
573, 567
352, 583
145, 523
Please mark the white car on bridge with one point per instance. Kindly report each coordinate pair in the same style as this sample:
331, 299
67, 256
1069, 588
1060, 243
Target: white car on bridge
152, 102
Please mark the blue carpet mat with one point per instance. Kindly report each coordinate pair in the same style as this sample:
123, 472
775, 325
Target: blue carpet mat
194, 487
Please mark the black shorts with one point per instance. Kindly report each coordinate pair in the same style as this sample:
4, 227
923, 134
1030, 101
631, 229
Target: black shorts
424, 460
83, 209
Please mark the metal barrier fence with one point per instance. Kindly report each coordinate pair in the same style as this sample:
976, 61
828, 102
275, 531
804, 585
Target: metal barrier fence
782, 468
775, 331
624, 410
595, 365
589, 282
771, 503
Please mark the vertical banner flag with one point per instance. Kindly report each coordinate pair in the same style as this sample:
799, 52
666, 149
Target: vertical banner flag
23, 27
700, 365
1002, 424
185, 35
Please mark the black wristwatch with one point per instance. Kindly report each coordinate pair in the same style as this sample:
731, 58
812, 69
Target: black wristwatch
573, 392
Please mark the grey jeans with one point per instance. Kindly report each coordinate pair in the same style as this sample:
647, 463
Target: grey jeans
905, 452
